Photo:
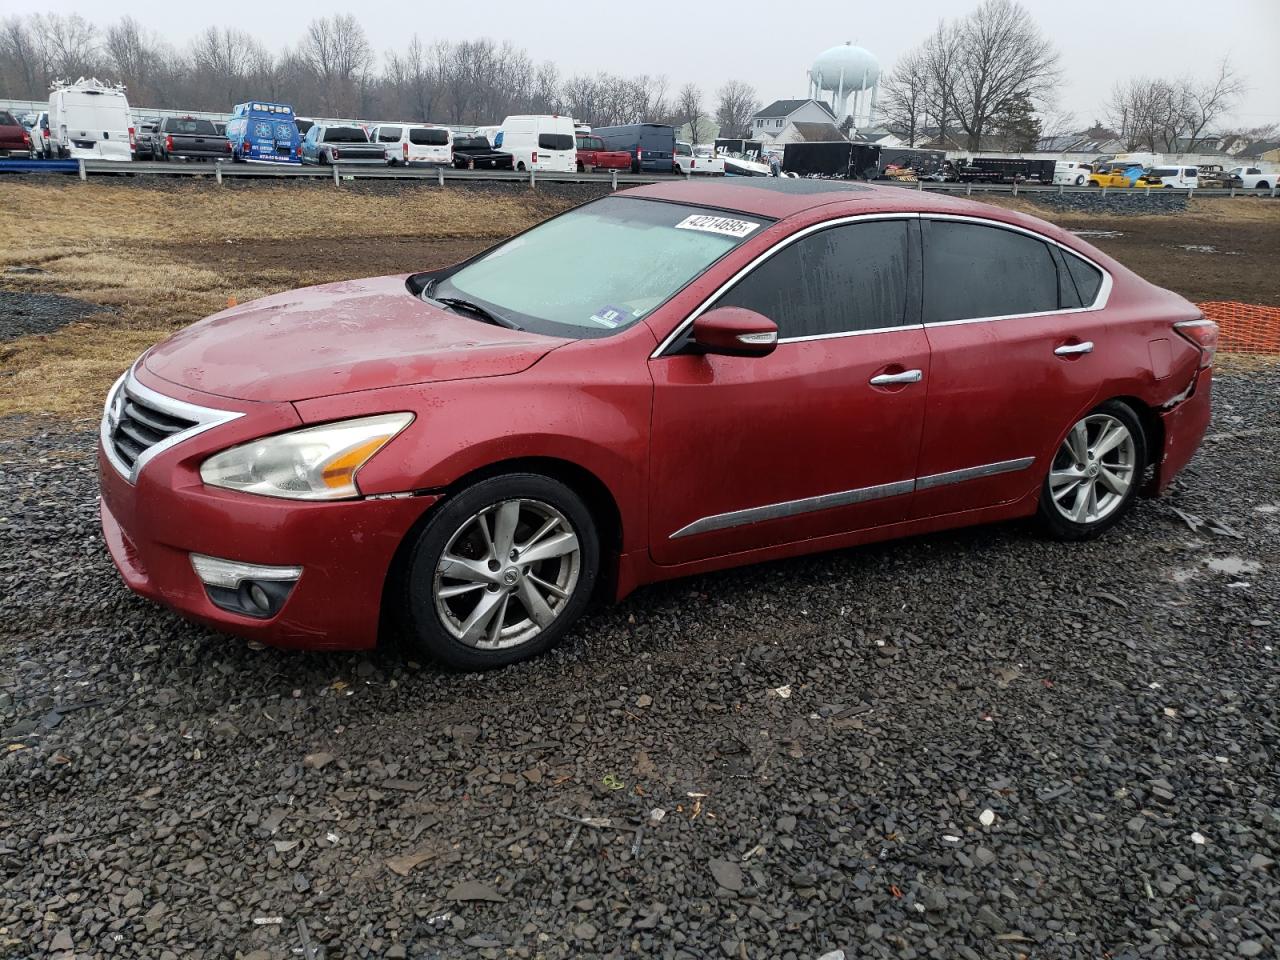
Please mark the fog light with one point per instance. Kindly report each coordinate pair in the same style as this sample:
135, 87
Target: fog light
250, 589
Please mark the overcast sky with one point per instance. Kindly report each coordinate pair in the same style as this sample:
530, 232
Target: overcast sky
771, 44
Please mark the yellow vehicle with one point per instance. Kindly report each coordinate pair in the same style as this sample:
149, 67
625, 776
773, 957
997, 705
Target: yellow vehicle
1115, 175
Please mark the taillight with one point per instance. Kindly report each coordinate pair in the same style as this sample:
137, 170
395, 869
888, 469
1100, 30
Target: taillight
334, 153
228, 144
406, 153
132, 141
168, 142
1202, 333
298, 150
26, 138
534, 157
245, 147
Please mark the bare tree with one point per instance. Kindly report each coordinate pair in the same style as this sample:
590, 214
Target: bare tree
735, 103
903, 96
689, 111
941, 54
1002, 57
1207, 102
21, 64
338, 54
228, 61
68, 44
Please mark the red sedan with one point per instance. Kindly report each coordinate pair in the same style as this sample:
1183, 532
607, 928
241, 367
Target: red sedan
669, 380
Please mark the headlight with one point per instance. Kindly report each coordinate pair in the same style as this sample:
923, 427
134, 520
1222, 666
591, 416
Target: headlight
317, 463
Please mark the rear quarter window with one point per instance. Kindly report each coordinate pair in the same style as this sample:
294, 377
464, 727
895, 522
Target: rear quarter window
1087, 277
973, 271
388, 134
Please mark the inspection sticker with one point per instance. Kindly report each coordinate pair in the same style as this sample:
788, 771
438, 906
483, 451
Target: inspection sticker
609, 316
723, 225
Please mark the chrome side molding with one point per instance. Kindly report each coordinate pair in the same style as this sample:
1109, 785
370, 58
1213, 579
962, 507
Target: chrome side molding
844, 498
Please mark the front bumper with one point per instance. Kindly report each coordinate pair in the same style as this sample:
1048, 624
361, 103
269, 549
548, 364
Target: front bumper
345, 548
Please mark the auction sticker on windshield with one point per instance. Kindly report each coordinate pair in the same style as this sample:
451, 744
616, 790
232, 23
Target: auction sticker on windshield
722, 225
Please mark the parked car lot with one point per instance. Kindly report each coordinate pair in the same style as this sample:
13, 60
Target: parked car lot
188, 138
410, 143
561, 324
475, 152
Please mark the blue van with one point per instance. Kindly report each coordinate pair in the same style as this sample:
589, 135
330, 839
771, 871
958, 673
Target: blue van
652, 145
262, 132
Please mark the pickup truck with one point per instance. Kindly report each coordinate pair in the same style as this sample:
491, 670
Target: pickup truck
594, 155
327, 144
475, 153
15, 141
700, 159
188, 138
1254, 178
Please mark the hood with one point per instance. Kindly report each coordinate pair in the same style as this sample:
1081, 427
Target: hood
339, 338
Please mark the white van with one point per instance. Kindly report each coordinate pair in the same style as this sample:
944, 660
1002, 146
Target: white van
1185, 178
543, 143
414, 143
91, 120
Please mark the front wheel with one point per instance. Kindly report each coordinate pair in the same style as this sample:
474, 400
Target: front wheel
501, 572
1080, 181
1263, 185
1095, 474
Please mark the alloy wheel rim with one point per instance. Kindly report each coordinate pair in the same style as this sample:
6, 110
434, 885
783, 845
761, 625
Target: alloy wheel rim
1094, 469
507, 574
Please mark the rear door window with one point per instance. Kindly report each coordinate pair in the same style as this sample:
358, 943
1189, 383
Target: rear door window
388, 134
975, 272
429, 136
844, 279
555, 141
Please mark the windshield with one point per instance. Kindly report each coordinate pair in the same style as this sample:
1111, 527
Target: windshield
599, 268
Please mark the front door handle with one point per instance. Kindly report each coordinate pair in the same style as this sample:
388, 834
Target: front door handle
906, 376
1071, 349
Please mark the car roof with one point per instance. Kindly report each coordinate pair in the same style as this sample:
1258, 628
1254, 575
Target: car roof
781, 197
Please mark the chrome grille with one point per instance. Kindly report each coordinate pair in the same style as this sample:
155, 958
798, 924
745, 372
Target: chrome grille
139, 423
141, 427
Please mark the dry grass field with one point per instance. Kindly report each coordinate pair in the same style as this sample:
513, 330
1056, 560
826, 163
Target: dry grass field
158, 256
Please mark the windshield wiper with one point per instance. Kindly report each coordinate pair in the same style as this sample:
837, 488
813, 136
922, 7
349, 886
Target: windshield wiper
474, 308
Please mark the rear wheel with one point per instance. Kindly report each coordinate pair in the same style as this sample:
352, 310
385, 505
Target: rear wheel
1095, 474
501, 572
520, 166
1080, 181
1263, 185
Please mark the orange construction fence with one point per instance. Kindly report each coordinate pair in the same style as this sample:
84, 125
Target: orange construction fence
1244, 327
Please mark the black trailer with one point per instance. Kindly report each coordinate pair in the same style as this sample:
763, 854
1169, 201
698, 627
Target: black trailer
741, 148
856, 161
1004, 170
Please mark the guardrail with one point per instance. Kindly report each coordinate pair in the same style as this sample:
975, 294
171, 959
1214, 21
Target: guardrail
344, 173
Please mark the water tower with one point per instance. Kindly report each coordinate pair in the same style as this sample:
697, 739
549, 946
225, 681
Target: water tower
847, 72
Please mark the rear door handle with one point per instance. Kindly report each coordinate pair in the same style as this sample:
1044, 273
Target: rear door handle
906, 376
1070, 349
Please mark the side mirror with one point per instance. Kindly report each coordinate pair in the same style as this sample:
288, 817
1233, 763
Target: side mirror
735, 332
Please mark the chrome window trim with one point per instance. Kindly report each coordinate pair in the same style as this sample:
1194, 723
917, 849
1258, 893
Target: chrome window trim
1099, 301
844, 498
206, 419
760, 258
973, 473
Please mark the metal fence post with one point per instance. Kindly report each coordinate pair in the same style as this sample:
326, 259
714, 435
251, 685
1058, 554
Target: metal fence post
533, 177
919, 184
1233, 190
615, 179
440, 175
217, 169
335, 175
968, 189
1061, 189
1015, 186
83, 175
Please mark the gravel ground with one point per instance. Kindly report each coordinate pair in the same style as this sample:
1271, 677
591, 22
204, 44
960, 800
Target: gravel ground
972, 745
22, 314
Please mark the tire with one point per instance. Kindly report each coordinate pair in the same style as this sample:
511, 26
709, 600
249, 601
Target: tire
520, 167
1082, 480
1263, 185
581, 168
493, 602
1080, 181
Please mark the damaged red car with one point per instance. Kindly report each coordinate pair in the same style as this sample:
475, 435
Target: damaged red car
670, 380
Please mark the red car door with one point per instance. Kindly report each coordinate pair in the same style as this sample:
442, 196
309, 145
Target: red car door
1015, 360
817, 438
